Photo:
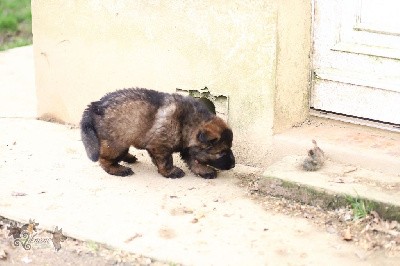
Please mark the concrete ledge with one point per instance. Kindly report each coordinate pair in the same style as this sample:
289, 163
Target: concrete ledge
331, 186
369, 148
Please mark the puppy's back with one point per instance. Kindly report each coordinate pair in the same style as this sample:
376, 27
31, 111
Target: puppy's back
128, 114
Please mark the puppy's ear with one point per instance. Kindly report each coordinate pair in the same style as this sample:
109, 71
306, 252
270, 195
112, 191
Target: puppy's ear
227, 136
211, 131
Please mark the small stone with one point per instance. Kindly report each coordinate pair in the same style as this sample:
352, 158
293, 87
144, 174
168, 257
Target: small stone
331, 230
26, 260
3, 254
308, 215
18, 194
361, 255
345, 217
347, 234
144, 261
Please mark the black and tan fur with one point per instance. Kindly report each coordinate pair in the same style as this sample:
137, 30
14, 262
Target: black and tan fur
160, 123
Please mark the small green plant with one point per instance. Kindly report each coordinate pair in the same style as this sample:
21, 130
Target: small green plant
93, 246
361, 208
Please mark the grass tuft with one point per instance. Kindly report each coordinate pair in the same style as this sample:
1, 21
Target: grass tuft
15, 23
93, 246
360, 207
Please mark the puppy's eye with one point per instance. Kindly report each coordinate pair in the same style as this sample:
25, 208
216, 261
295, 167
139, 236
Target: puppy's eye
211, 144
212, 141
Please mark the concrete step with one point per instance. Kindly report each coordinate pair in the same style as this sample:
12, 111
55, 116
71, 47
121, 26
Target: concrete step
334, 185
362, 146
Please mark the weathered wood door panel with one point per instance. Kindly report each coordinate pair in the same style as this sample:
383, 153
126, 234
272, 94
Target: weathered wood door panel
356, 58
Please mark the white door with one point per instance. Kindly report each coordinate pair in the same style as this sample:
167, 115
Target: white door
356, 59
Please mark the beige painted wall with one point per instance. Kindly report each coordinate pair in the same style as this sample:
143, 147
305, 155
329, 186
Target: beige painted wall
242, 49
293, 64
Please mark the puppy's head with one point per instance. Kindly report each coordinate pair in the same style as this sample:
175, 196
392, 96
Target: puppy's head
212, 145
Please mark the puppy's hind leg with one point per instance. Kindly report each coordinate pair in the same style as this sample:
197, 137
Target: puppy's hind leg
110, 156
114, 168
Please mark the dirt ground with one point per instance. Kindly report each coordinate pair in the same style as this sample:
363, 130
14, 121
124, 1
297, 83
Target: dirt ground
377, 238
72, 252
374, 234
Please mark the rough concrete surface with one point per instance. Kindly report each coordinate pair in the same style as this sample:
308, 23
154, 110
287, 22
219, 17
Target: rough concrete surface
190, 220
17, 83
333, 185
345, 143
340, 179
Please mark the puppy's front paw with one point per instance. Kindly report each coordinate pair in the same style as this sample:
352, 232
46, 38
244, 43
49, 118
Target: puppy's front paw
176, 173
209, 175
202, 170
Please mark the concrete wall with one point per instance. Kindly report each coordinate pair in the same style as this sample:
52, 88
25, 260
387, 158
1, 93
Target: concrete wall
293, 64
251, 51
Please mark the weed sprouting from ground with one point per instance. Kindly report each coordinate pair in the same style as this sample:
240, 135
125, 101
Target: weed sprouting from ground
93, 246
360, 207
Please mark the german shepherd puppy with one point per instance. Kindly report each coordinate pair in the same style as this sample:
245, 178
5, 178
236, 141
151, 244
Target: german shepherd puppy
160, 123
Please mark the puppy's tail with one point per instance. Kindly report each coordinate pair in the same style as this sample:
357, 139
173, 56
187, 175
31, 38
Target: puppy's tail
89, 135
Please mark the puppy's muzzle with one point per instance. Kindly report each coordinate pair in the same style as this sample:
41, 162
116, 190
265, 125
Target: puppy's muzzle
225, 162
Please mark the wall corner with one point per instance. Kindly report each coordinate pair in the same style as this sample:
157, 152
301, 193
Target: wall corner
293, 64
